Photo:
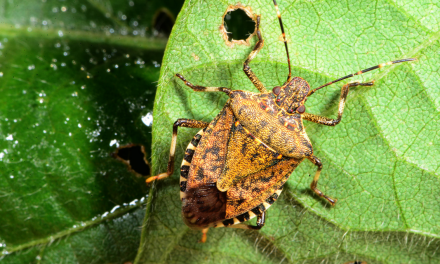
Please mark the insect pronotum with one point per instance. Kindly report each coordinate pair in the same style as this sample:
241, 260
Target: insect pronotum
235, 167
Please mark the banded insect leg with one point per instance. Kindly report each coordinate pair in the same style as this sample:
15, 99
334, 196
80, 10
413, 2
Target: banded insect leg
247, 69
314, 183
261, 220
204, 236
333, 122
179, 123
199, 88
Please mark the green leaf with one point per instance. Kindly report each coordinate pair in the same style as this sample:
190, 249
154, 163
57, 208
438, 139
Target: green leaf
76, 79
381, 162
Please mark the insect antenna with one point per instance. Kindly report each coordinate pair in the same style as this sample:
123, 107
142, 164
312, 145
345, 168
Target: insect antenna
360, 72
289, 77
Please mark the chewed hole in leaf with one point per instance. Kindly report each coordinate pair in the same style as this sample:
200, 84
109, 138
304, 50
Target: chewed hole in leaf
163, 22
134, 157
238, 25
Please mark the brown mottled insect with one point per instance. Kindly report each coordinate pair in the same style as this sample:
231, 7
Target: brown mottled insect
235, 167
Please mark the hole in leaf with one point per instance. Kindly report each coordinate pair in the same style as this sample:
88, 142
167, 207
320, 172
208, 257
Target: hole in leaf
134, 157
239, 25
163, 22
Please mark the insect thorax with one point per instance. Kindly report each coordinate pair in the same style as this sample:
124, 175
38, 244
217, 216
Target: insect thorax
270, 123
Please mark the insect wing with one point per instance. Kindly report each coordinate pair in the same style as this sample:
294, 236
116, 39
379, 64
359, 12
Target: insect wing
209, 158
252, 173
246, 155
202, 203
256, 188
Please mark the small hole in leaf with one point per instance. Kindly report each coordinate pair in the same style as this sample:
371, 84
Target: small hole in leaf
134, 157
163, 22
239, 25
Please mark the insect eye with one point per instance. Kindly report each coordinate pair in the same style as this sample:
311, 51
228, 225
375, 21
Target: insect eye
301, 109
276, 90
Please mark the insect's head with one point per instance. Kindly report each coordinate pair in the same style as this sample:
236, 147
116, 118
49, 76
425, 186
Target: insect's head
292, 95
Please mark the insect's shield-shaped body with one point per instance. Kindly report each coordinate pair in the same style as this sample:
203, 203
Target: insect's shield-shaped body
235, 167
228, 175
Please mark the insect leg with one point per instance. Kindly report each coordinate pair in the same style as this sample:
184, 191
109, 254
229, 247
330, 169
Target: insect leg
198, 88
204, 237
333, 122
314, 183
179, 123
261, 220
247, 69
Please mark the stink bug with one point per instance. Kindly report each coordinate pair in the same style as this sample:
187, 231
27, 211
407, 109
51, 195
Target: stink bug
235, 167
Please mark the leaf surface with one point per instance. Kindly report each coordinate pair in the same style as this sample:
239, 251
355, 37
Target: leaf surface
381, 161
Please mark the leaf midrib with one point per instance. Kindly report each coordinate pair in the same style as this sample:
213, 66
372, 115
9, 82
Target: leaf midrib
9, 30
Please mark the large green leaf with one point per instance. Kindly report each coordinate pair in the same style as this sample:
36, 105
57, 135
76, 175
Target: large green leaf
381, 162
76, 79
